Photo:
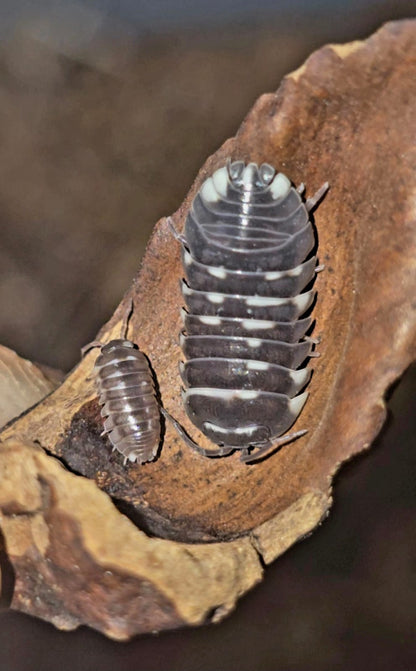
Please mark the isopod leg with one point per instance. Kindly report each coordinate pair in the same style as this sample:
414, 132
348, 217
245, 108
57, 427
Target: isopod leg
314, 341
312, 202
269, 447
180, 238
220, 452
301, 188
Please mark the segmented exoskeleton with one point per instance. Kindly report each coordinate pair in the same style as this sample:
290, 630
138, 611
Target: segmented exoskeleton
246, 258
126, 391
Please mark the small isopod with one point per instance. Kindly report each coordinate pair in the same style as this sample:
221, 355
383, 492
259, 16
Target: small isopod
125, 387
248, 266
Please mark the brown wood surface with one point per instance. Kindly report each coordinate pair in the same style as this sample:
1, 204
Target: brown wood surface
347, 117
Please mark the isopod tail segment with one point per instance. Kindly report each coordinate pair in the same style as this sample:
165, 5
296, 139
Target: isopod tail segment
218, 452
262, 450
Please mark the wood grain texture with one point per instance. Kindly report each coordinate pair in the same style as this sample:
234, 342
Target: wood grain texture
22, 384
347, 116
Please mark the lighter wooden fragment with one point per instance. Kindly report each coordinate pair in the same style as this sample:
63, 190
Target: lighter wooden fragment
22, 384
195, 578
277, 534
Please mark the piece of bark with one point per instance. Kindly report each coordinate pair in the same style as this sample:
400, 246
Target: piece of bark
77, 560
347, 116
22, 384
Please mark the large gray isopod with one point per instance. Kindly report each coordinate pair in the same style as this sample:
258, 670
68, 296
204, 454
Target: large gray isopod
248, 265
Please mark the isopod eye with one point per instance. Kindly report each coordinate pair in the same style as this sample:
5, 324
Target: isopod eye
267, 173
235, 171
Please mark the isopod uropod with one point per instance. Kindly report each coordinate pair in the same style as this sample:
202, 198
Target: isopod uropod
247, 260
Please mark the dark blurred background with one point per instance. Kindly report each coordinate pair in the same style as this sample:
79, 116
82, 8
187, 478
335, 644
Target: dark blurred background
107, 111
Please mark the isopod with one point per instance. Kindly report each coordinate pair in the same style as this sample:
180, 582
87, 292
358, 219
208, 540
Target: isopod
248, 269
130, 410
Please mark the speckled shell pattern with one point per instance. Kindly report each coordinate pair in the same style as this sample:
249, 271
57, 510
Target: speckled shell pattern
130, 409
247, 261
